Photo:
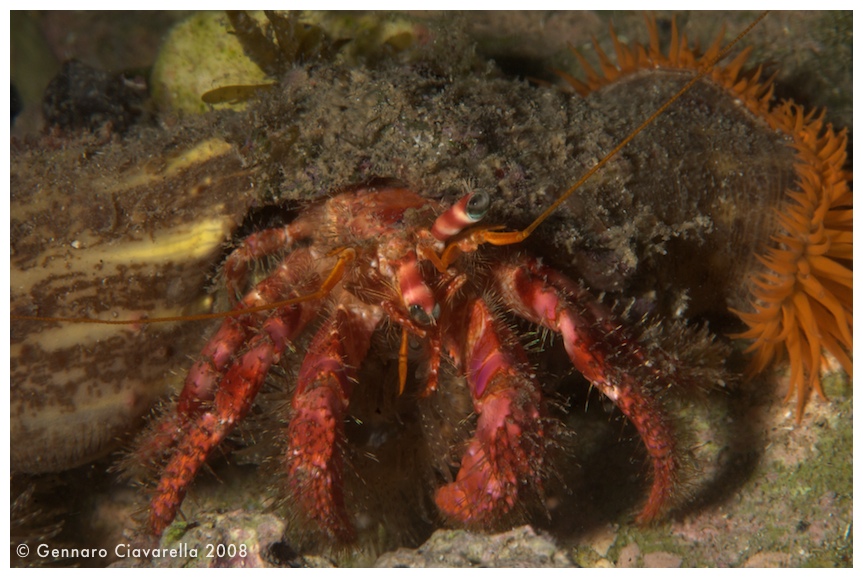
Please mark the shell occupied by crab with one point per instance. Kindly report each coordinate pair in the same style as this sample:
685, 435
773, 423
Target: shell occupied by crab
617, 247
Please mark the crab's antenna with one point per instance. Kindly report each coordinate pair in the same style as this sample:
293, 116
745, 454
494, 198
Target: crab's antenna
511, 237
345, 255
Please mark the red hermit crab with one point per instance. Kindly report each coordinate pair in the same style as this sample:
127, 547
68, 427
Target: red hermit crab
382, 256
380, 268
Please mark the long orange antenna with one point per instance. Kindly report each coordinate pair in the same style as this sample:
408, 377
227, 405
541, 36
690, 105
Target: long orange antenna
511, 237
345, 255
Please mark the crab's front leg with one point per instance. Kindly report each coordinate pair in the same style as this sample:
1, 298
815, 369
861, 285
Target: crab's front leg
320, 402
221, 387
263, 244
607, 355
236, 392
504, 459
291, 279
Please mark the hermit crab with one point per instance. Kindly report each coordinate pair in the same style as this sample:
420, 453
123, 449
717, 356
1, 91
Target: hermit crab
383, 255
389, 285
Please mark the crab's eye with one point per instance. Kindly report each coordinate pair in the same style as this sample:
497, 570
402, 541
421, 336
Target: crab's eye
419, 316
468, 210
477, 205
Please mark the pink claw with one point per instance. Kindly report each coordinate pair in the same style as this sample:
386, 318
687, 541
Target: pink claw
506, 453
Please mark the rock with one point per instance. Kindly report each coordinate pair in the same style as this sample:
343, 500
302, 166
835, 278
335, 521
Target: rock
521, 547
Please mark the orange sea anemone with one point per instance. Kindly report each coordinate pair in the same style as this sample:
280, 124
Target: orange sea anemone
802, 300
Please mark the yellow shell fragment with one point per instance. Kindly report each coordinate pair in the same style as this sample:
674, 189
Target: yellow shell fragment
139, 239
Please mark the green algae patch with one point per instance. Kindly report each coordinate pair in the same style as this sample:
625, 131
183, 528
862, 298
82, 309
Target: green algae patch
793, 510
198, 56
203, 64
